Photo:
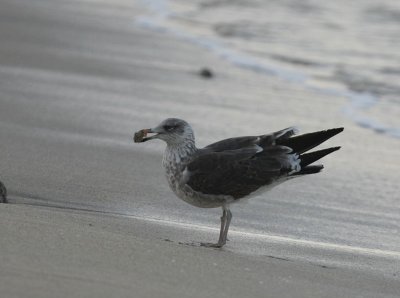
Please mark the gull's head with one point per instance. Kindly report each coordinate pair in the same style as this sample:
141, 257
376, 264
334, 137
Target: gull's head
172, 130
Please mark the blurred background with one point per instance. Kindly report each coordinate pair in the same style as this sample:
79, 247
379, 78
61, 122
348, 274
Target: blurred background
346, 49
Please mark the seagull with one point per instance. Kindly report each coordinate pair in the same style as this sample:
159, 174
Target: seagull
230, 170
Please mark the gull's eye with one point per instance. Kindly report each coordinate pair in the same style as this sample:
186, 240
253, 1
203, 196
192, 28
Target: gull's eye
169, 127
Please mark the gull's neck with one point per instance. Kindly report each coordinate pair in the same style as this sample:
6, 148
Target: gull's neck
177, 153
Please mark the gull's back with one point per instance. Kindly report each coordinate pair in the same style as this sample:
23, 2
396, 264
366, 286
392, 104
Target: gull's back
237, 167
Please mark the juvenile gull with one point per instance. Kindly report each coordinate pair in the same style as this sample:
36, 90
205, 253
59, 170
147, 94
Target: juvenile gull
226, 171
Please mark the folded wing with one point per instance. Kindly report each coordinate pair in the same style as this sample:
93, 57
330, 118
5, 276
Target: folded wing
248, 141
239, 166
238, 173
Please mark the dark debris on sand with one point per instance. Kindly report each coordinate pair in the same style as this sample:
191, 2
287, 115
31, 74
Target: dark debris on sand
3, 193
206, 73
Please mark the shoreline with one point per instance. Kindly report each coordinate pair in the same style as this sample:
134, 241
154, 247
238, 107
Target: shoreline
358, 102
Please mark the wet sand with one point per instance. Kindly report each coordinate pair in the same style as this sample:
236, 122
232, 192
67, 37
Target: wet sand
54, 253
91, 214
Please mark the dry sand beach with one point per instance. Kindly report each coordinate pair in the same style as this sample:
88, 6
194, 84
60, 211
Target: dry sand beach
90, 213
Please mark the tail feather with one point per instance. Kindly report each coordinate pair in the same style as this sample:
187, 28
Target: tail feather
303, 143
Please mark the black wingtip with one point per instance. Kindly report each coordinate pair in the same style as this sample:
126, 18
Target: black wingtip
309, 158
336, 130
335, 148
305, 142
329, 133
310, 170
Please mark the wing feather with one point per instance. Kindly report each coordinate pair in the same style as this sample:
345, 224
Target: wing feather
243, 142
237, 173
239, 166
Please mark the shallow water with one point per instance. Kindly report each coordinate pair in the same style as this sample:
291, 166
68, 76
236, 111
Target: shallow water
347, 49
